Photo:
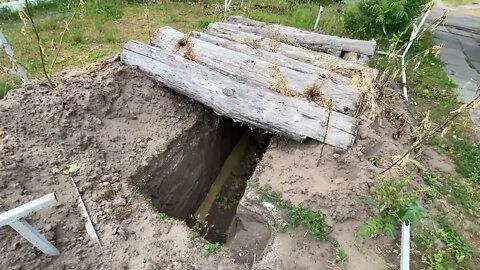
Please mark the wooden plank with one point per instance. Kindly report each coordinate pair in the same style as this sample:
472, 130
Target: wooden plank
256, 71
291, 117
323, 60
276, 58
311, 40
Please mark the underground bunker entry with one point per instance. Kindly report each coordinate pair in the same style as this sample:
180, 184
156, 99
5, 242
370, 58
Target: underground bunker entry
202, 176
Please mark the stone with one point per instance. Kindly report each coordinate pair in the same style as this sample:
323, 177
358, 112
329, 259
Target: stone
119, 202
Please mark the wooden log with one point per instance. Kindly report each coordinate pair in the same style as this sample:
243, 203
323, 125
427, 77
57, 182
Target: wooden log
276, 58
323, 60
311, 40
291, 117
256, 71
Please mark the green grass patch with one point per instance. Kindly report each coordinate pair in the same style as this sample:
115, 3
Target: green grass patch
313, 221
459, 192
210, 248
162, 217
467, 159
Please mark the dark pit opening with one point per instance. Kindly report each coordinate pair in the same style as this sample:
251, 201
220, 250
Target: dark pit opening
202, 175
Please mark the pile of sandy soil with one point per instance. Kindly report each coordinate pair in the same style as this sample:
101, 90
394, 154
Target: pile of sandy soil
109, 121
112, 120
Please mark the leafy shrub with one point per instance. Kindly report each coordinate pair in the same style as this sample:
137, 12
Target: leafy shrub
376, 18
395, 202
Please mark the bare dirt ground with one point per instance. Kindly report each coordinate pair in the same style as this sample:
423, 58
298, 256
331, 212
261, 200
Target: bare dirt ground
339, 187
112, 120
109, 121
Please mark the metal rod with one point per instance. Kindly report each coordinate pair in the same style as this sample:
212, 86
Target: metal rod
34, 236
413, 37
405, 248
17, 68
320, 11
226, 7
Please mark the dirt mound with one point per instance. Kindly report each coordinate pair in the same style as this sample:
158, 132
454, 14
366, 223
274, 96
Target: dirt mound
110, 121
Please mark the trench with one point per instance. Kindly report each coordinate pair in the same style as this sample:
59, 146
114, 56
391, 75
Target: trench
202, 175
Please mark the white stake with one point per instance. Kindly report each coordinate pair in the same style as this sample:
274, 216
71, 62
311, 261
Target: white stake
413, 37
88, 224
320, 11
16, 68
405, 248
15, 219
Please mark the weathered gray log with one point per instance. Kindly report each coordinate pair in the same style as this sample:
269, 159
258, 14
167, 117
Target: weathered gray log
250, 69
276, 58
291, 117
234, 33
311, 40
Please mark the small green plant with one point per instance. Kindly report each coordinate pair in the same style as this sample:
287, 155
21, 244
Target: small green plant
226, 202
340, 257
443, 248
461, 251
69, 169
437, 261
395, 201
162, 216
210, 248
313, 221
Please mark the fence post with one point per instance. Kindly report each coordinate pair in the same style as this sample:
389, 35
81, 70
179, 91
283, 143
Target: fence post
320, 11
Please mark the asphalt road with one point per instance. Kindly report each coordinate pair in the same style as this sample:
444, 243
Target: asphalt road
460, 37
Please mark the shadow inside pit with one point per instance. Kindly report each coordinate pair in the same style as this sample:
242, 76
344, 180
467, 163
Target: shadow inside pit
202, 175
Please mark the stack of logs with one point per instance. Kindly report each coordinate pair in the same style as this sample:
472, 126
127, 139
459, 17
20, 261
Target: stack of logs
284, 80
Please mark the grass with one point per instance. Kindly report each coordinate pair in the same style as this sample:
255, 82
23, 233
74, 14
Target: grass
102, 28
210, 248
162, 217
340, 257
313, 221
443, 247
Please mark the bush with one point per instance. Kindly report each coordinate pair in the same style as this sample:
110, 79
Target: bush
381, 18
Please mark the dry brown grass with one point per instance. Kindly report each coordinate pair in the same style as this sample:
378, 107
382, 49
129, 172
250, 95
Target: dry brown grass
186, 45
314, 93
275, 39
278, 84
370, 95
